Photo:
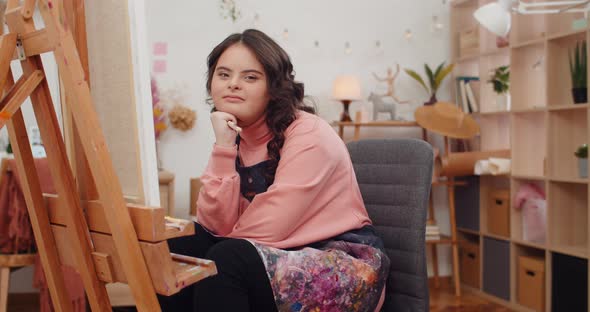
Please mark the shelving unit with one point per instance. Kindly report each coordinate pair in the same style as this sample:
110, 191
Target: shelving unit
568, 129
526, 65
542, 129
528, 151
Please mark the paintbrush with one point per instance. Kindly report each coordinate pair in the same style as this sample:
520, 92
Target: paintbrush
235, 127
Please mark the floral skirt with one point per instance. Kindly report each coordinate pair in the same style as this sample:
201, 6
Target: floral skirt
339, 276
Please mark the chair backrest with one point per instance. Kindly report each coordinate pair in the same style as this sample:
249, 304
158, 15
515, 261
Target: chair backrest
394, 178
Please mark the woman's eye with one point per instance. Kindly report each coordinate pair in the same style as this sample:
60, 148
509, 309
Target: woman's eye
251, 78
223, 75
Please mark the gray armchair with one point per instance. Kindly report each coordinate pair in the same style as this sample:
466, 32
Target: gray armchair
394, 178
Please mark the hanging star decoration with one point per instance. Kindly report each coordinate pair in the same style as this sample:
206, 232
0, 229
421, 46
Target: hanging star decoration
229, 9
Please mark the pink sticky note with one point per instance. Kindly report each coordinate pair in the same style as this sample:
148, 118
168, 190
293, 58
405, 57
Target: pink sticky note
159, 66
160, 48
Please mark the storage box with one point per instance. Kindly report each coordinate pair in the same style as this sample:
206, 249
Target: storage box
469, 42
569, 283
469, 262
531, 282
467, 203
496, 267
498, 213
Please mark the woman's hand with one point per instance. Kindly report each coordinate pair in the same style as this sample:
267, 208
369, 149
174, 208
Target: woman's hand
224, 135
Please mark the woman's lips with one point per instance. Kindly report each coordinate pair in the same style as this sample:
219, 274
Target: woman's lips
233, 99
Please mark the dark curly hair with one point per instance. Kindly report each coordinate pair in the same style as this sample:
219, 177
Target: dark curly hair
286, 95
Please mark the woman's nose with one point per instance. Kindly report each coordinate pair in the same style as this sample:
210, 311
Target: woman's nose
233, 84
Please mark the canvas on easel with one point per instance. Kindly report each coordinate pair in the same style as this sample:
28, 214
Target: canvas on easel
104, 238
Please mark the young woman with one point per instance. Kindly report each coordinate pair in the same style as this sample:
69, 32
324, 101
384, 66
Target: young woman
280, 211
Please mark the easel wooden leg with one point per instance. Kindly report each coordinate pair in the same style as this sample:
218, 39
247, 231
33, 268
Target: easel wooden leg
455, 248
435, 265
4, 282
7, 44
74, 14
36, 207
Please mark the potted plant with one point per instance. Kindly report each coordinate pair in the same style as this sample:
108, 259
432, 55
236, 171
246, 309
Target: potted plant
578, 72
582, 154
435, 79
500, 80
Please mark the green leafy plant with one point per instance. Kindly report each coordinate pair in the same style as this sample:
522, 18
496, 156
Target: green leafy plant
500, 79
582, 151
578, 65
435, 79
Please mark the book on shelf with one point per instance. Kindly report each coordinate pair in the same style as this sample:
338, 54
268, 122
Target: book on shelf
432, 232
464, 103
468, 78
432, 237
432, 229
474, 107
467, 93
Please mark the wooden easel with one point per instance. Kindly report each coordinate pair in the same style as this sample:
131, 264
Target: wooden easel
106, 239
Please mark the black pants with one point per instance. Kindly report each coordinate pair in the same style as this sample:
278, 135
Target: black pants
241, 283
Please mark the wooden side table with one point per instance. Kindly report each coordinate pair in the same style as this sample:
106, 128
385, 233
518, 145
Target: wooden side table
8, 262
357, 126
446, 240
167, 191
195, 187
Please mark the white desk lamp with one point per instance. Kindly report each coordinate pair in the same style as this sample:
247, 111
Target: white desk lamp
496, 17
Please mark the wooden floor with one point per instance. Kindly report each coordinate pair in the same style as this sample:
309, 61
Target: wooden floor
444, 300
441, 300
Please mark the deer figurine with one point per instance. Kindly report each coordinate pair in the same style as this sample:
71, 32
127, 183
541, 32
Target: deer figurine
380, 106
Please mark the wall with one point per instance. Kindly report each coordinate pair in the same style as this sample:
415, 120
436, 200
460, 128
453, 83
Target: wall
192, 28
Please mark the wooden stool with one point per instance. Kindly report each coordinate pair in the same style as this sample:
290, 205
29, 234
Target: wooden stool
452, 240
8, 262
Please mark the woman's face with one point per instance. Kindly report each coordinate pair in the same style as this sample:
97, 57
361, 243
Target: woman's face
239, 86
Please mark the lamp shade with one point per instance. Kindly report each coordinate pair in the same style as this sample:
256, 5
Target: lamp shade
346, 87
495, 17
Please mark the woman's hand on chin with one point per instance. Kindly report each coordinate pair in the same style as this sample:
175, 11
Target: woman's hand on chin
224, 135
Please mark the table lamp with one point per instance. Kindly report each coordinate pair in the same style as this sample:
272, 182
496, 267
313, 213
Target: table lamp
346, 89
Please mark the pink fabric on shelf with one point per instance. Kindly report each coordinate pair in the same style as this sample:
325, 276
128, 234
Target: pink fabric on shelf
16, 234
530, 199
528, 191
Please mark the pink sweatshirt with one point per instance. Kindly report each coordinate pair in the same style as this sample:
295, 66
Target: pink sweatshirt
314, 196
